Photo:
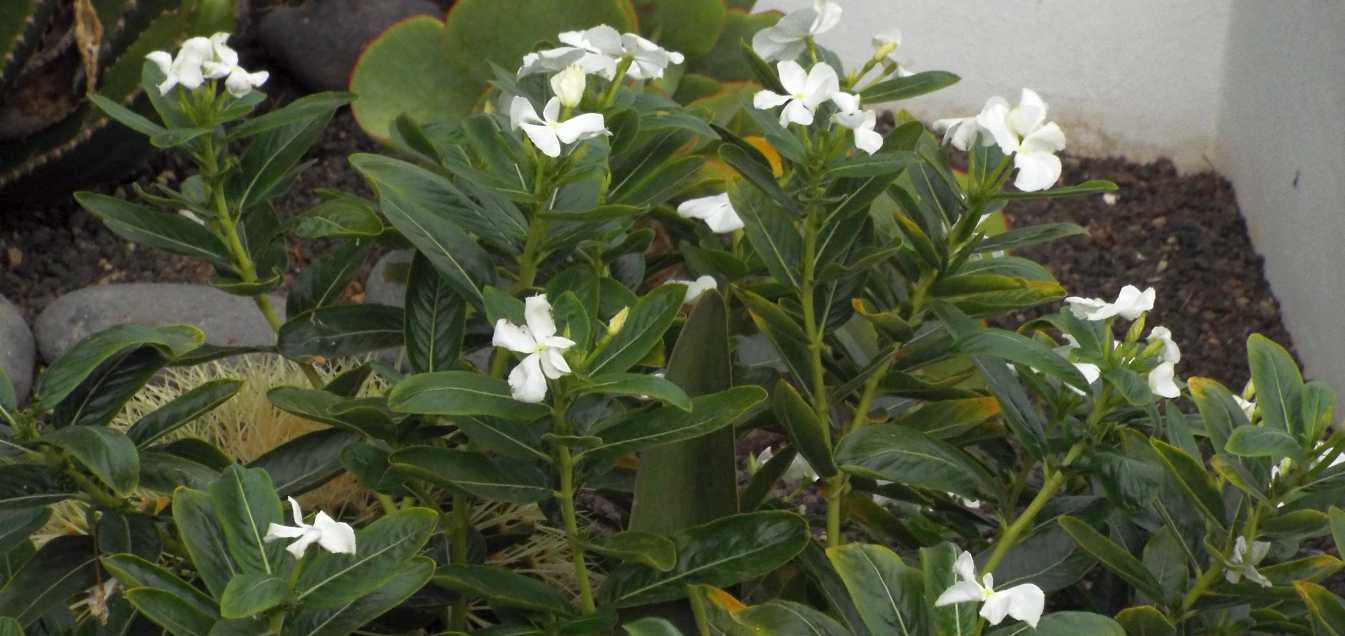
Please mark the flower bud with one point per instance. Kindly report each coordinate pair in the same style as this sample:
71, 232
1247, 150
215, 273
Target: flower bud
618, 321
886, 44
569, 85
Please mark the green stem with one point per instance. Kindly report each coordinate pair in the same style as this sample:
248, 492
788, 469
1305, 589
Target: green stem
609, 95
1029, 514
861, 416
565, 462
93, 490
1203, 583
462, 524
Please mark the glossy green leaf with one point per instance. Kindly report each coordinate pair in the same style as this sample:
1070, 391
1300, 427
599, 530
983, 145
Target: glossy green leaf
110, 455
643, 330
435, 319
889, 594
805, 430
268, 163
1262, 441
1145, 620
171, 612
323, 281
61, 568
936, 564
1277, 381
305, 462
326, 579
721, 553
1020, 414
908, 86
783, 332
787, 618
341, 330
132, 572
1316, 407
182, 410
1028, 236
1327, 609
160, 230
651, 626
1194, 481
653, 550
649, 387
911, 458
473, 473
502, 587
1092, 186
461, 393
1113, 556
80, 361
354, 415
1066, 624
245, 505
1012, 347
343, 619
194, 515
667, 424
340, 216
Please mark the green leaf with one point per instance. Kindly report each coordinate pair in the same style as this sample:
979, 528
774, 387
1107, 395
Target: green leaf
787, 618
245, 505
194, 516
1012, 347
80, 361
1020, 414
10, 627
908, 86
132, 572
310, 107
172, 613
1145, 620
819, 570
1129, 385
805, 431
169, 232
473, 473
461, 393
355, 415
1219, 412
61, 568
410, 576
1317, 567
1092, 186
322, 282
481, 32
783, 332
1048, 559
126, 117
269, 162
110, 455
889, 594
435, 319
723, 552
1277, 381
911, 458
761, 70
341, 330
773, 237
757, 174
1165, 557
1193, 479
326, 579
663, 425
464, 264
1261, 441
1316, 405
643, 330
114, 382
406, 71
305, 462
1020, 237
651, 626
1327, 609
1337, 523
638, 385
1066, 624
1113, 556
502, 587
945, 419
24, 486
687, 483
880, 164
182, 410
653, 550
17, 525
340, 216
690, 28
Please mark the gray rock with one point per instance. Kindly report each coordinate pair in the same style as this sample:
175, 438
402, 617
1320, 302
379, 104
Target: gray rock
320, 40
17, 352
227, 320
387, 280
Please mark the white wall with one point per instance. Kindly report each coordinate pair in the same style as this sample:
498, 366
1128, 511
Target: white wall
1282, 142
1139, 78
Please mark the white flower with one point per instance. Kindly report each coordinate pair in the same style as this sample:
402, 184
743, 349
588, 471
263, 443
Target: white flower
224, 63
788, 38
1109, 198
1023, 132
600, 47
648, 60
1024, 602
1244, 560
544, 350
1162, 380
569, 85
1247, 407
799, 472
862, 122
805, 92
554, 60
1090, 372
717, 212
961, 132
334, 536
548, 132
1171, 353
695, 287
96, 600
885, 45
1130, 303
185, 69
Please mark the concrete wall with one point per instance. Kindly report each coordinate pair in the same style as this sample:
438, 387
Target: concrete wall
1281, 140
1139, 78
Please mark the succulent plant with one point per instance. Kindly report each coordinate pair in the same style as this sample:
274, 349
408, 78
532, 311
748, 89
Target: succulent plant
433, 70
53, 55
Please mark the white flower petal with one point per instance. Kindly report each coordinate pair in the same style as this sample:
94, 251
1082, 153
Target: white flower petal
798, 112
822, 83
828, 16
513, 337
960, 592
544, 138
1037, 171
792, 77
1024, 602
994, 118
162, 59
697, 287
765, 100
522, 112
585, 126
537, 313
717, 212
276, 531
1028, 116
526, 381
336, 537
1162, 381
1171, 352
1048, 139
553, 363
301, 545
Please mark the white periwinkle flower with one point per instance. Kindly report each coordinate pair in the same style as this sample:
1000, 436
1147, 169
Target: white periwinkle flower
569, 85
1024, 132
1024, 602
1163, 380
717, 212
788, 38
548, 132
805, 92
544, 351
1129, 304
1244, 560
885, 45
696, 287
599, 50
1247, 407
1171, 353
334, 536
962, 132
648, 60
185, 69
224, 64
862, 122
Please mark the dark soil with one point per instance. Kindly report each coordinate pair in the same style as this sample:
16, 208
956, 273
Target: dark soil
1180, 234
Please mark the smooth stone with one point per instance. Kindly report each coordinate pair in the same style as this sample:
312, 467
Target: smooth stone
386, 284
320, 40
17, 350
227, 320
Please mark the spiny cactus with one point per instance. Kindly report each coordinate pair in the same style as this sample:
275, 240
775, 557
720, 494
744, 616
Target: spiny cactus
53, 55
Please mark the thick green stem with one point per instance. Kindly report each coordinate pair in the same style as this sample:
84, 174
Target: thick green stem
609, 96
861, 415
1024, 521
93, 490
565, 463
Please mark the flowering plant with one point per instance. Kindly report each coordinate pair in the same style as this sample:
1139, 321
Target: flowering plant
607, 289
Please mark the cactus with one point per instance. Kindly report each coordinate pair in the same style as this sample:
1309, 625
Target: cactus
53, 54
431, 70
